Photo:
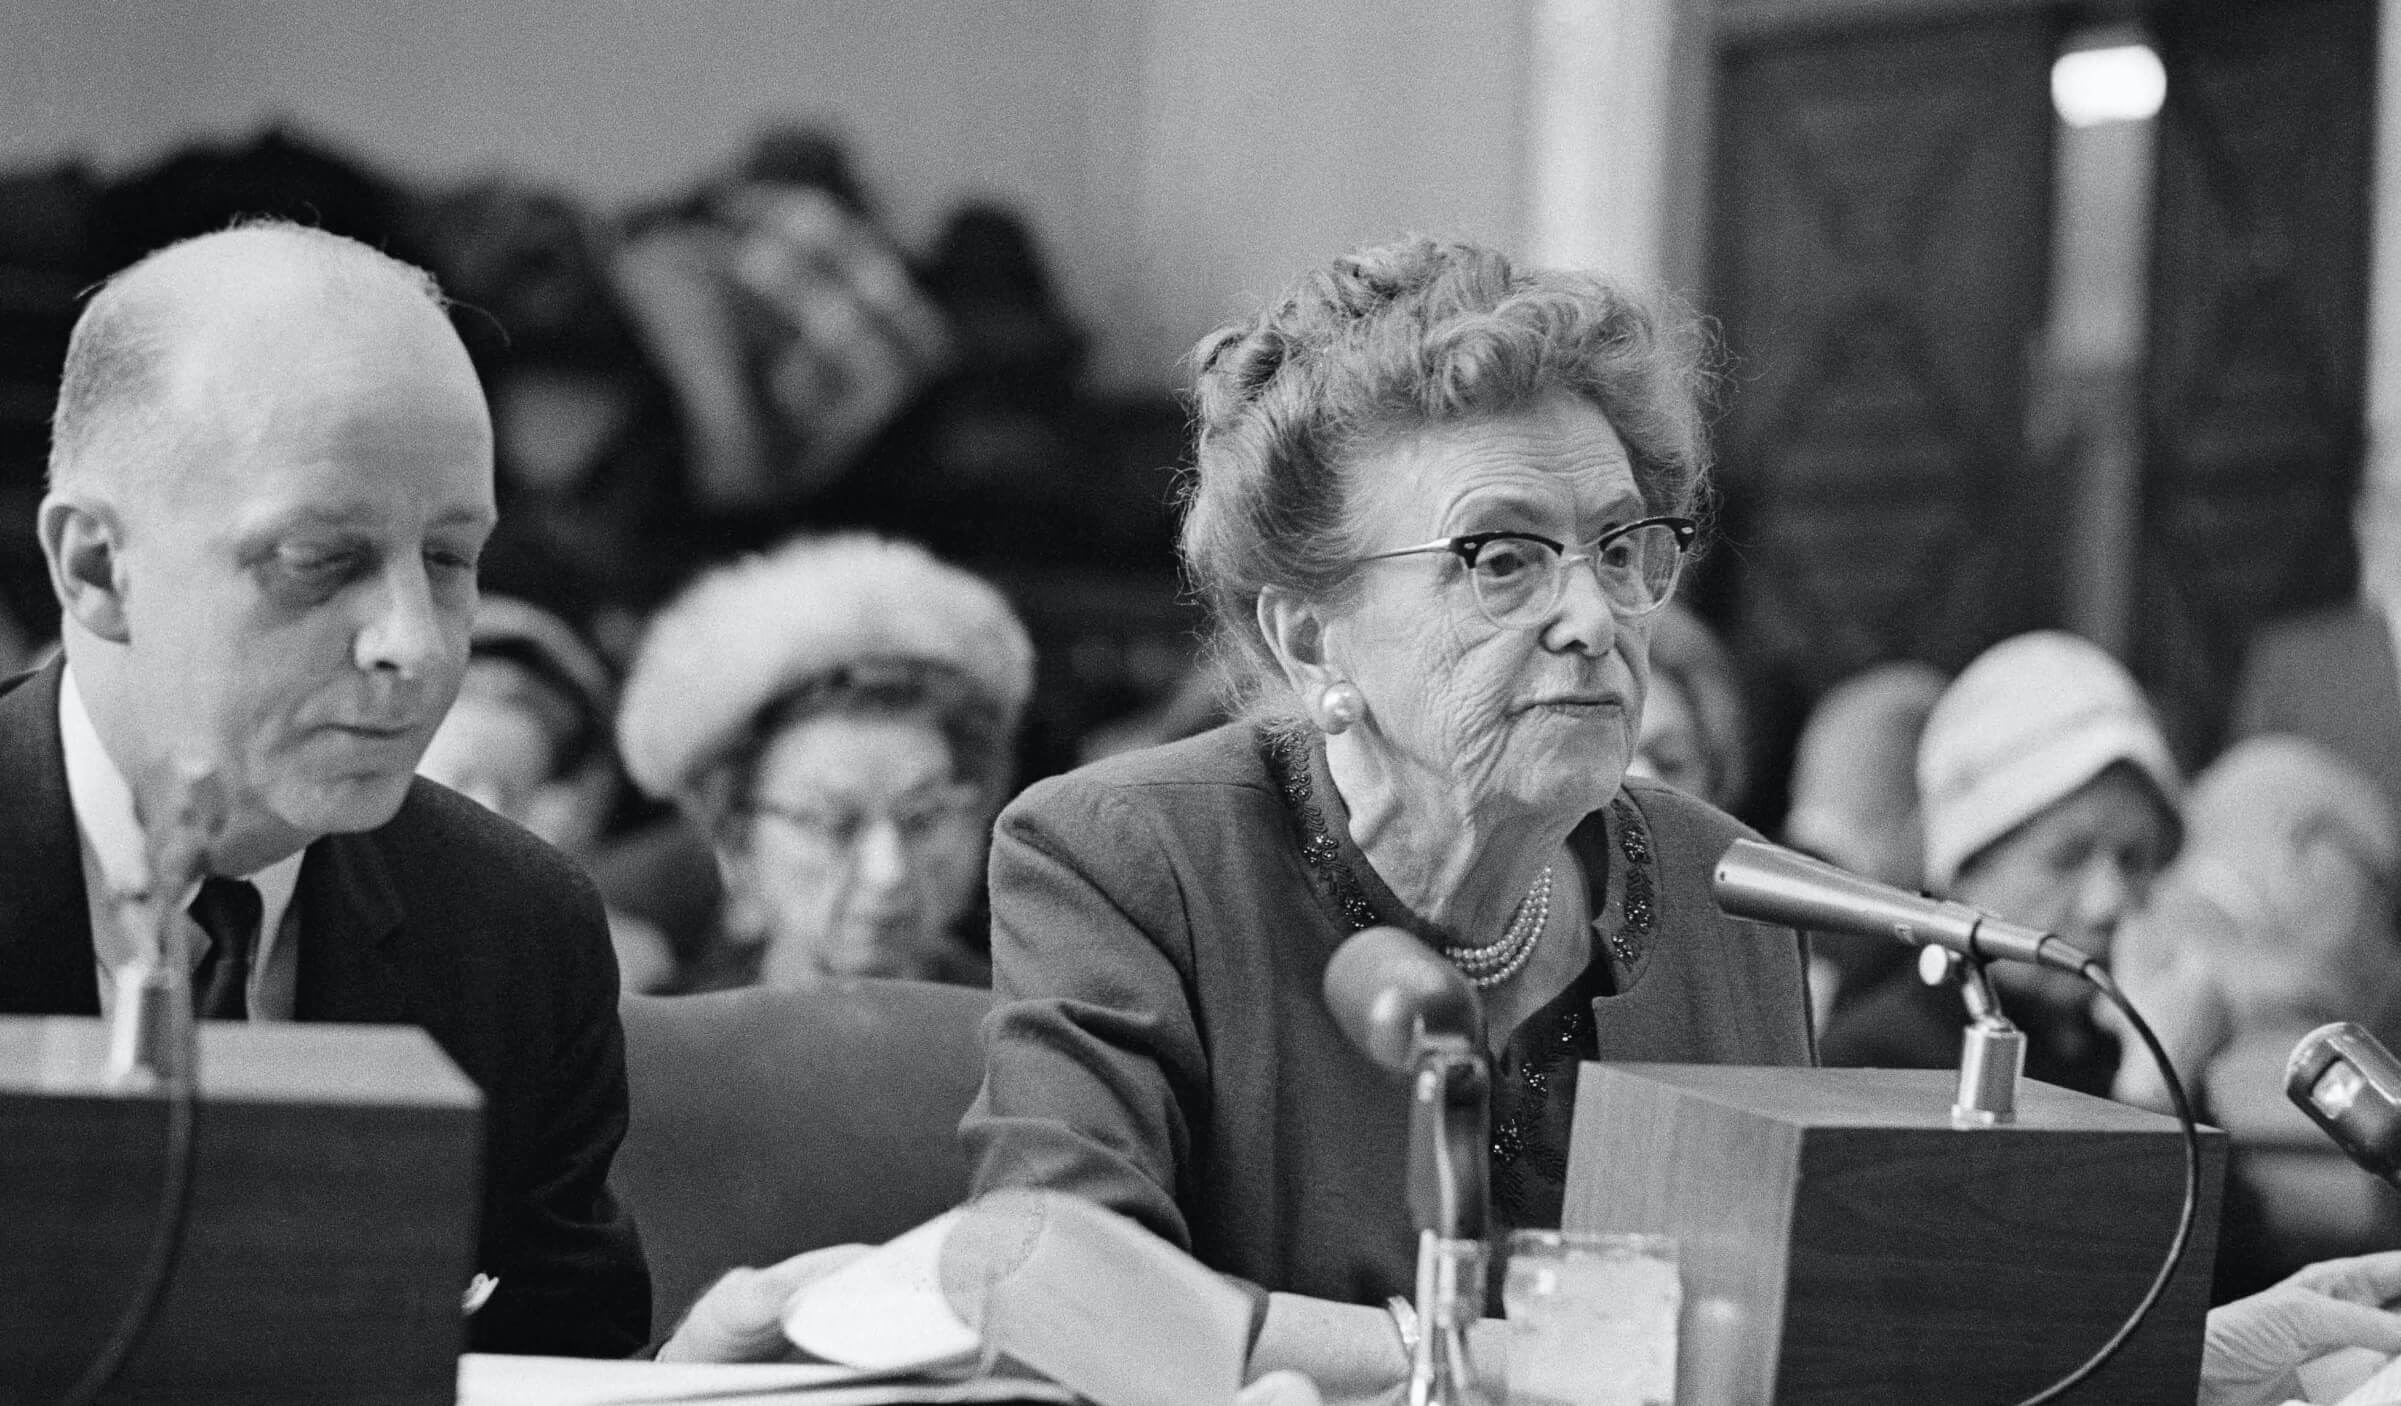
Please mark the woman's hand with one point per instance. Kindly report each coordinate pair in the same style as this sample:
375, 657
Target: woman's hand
741, 1317
2255, 1345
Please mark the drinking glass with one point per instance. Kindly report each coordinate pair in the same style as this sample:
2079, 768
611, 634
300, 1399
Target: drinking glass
1592, 1319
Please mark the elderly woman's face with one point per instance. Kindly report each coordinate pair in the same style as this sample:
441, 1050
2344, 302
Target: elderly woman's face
1543, 719
861, 849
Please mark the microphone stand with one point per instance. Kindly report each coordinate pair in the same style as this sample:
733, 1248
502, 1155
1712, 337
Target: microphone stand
153, 1046
1450, 1194
1992, 1055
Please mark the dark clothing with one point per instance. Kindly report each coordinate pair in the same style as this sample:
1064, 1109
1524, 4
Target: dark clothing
447, 918
1902, 1023
1162, 1047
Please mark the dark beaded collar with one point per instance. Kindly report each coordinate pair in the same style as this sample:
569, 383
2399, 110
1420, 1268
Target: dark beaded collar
1295, 762
1534, 1084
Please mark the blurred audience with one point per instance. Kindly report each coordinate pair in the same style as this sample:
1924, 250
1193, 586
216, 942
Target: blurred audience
1854, 803
2333, 674
2276, 918
839, 716
528, 738
2049, 798
1693, 734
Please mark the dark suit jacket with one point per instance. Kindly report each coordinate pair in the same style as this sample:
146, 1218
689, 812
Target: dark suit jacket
447, 918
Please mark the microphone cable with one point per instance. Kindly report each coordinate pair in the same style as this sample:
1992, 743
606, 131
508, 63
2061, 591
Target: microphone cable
2107, 985
167, 1225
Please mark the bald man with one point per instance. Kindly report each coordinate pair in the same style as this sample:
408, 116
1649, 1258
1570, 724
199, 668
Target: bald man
270, 478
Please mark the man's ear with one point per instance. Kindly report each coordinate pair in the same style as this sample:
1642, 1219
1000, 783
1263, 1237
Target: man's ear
84, 543
1295, 631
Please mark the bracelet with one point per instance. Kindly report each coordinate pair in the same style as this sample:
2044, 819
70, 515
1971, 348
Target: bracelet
1404, 1323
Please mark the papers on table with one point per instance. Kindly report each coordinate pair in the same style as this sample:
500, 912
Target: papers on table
1049, 1287
492, 1380
2354, 1377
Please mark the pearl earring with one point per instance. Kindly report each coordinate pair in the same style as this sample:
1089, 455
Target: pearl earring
1340, 707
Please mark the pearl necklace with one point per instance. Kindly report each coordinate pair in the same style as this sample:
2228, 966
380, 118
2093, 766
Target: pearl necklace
1489, 966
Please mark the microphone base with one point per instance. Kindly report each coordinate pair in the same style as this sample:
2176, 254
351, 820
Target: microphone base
1992, 1057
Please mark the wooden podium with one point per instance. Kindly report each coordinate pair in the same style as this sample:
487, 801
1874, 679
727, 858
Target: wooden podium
1842, 1242
332, 1224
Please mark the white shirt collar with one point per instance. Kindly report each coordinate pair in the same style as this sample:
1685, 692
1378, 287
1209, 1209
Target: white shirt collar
112, 837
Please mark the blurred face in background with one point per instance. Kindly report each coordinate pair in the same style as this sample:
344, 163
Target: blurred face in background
1670, 748
501, 748
858, 851
2078, 869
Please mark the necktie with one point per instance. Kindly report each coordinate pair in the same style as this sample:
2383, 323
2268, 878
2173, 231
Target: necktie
228, 911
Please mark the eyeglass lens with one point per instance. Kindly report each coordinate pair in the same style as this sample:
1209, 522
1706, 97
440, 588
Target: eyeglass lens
1517, 582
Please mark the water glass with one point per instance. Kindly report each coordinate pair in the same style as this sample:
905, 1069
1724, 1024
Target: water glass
1592, 1319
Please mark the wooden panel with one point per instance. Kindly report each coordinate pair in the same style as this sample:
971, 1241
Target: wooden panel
1843, 1243
332, 1223
1881, 245
2258, 335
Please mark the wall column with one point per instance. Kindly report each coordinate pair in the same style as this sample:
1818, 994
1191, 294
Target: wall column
1616, 123
2377, 520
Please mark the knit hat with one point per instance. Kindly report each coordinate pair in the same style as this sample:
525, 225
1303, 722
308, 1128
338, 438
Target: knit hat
745, 636
2022, 728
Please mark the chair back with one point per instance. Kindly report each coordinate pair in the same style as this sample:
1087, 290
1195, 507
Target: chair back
768, 1122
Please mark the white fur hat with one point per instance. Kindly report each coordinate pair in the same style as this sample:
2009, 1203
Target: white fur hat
2020, 730
743, 636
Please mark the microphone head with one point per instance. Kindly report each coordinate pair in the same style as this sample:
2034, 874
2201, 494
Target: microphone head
1387, 990
2350, 1086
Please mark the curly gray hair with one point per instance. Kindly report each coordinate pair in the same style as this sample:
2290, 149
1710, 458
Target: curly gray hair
1388, 338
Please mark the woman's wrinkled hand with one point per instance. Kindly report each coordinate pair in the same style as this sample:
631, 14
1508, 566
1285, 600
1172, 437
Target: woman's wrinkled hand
2255, 1345
741, 1317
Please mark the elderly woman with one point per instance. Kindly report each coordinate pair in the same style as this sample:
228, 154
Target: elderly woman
1437, 503
840, 716
2048, 798
1438, 500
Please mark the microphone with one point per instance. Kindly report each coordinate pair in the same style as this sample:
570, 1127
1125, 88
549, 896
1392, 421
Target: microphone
2350, 1085
1388, 992
1411, 1011
1771, 884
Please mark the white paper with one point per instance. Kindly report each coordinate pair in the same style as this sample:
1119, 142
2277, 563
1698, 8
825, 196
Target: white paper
885, 1311
2335, 1376
487, 1379
1047, 1282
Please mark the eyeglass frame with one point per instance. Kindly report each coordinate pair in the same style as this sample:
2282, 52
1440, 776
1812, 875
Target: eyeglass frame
958, 806
1467, 545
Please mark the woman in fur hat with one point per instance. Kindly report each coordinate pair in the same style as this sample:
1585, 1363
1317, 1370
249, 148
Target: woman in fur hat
839, 716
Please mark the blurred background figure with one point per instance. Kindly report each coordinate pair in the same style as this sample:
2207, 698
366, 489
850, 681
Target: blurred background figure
529, 740
2333, 674
1855, 804
2276, 918
840, 717
1693, 733
2049, 798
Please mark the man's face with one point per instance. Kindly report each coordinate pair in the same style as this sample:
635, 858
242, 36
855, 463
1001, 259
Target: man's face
298, 589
